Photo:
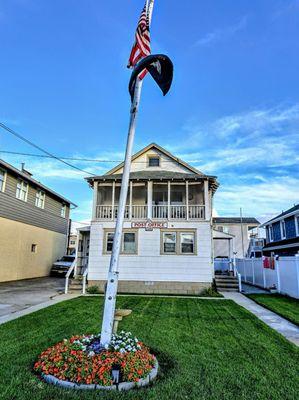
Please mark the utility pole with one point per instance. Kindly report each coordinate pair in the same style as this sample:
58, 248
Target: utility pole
112, 282
242, 233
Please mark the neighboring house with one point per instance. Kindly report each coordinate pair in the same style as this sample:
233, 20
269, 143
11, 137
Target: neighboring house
34, 223
167, 236
282, 233
233, 235
72, 244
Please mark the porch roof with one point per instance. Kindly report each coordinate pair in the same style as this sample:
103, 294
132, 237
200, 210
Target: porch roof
157, 176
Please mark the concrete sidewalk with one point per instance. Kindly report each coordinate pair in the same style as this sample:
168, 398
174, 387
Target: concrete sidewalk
40, 306
281, 325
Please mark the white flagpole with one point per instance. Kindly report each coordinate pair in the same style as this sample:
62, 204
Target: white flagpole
112, 282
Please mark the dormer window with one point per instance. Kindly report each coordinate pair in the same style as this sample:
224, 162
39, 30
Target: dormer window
154, 161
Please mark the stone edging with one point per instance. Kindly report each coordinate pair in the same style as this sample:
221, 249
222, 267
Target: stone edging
122, 386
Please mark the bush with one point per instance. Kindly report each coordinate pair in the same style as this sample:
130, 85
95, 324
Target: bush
210, 292
93, 290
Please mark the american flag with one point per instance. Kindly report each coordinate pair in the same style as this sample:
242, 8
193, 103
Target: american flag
142, 45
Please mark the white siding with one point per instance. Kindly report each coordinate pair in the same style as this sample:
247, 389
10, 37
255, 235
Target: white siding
166, 163
149, 264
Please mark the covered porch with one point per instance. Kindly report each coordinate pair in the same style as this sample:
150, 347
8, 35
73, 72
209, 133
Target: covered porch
152, 199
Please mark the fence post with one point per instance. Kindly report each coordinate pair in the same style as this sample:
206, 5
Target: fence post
278, 275
245, 275
264, 275
253, 276
297, 270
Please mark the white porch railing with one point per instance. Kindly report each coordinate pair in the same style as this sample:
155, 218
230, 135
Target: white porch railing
109, 212
68, 274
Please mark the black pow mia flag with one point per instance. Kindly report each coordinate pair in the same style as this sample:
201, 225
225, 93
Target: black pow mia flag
161, 69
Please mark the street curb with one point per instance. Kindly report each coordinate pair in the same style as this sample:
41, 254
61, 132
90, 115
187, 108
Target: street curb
120, 387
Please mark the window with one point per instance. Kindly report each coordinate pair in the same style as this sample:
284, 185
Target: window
169, 243
178, 242
283, 229
63, 211
154, 162
109, 245
271, 233
33, 248
187, 243
40, 199
128, 243
220, 228
22, 190
297, 222
2, 180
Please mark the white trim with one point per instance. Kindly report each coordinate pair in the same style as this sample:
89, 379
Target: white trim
272, 221
4, 180
283, 232
40, 196
21, 189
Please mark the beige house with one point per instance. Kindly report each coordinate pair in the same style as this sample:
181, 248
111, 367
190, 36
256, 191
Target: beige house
167, 237
34, 224
232, 235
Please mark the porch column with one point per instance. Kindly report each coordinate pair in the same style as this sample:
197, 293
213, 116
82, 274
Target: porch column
150, 199
168, 200
207, 200
113, 199
95, 200
131, 196
187, 200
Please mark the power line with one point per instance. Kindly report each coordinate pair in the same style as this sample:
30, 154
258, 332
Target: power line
82, 159
41, 149
60, 157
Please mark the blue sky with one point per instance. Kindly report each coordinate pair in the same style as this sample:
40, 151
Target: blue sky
233, 110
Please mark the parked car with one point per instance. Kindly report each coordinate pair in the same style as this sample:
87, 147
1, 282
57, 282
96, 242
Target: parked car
61, 267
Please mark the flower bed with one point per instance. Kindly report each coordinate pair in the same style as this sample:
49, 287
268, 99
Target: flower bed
81, 360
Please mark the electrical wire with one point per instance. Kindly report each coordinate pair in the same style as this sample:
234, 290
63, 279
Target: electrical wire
50, 155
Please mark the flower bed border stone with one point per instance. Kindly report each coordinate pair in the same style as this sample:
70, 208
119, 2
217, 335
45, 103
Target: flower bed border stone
121, 386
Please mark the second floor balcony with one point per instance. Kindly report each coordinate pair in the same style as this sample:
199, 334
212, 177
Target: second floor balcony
168, 200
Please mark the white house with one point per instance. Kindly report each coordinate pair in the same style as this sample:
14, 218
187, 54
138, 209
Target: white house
167, 239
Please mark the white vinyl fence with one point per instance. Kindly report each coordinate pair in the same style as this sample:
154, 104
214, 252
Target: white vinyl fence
222, 265
284, 276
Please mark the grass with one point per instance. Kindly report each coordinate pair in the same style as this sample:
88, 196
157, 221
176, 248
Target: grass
285, 306
207, 349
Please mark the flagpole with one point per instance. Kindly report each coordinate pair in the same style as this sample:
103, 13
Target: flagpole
112, 282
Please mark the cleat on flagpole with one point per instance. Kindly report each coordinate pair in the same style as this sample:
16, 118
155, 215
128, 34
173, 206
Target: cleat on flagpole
161, 69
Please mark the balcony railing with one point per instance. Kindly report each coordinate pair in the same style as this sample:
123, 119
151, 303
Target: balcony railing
169, 212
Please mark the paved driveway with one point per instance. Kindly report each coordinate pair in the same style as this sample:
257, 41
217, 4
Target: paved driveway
19, 295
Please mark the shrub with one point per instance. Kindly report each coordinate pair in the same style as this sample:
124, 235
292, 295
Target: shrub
93, 290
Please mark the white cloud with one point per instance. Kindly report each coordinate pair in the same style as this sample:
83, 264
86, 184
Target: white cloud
263, 199
221, 34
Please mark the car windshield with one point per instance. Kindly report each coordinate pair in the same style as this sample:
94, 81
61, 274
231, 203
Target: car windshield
67, 258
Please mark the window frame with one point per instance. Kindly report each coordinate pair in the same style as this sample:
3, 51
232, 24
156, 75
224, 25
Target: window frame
297, 224
2, 189
63, 211
271, 233
21, 190
40, 195
178, 248
122, 252
283, 231
153, 157
34, 248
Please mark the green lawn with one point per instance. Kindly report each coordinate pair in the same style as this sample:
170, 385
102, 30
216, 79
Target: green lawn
285, 306
207, 349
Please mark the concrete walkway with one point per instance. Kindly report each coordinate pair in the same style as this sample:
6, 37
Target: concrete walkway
250, 289
40, 306
281, 325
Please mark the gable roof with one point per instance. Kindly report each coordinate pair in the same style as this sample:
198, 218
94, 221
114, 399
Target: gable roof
162, 150
27, 177
284, 213
235, 220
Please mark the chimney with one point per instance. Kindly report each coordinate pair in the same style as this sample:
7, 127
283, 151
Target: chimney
24, 170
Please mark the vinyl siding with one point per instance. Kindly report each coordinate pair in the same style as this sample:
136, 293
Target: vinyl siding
290, 227
26, 212
149, 264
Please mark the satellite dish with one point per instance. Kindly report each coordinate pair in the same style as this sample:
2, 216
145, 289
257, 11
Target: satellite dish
161, 69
